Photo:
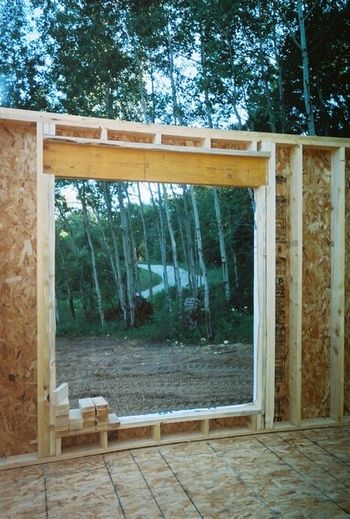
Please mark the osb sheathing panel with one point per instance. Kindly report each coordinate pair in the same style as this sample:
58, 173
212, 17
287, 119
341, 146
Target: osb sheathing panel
17, 289
316, 283
283, 157
347, 287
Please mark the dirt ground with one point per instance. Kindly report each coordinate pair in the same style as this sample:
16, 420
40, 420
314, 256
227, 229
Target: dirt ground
138, 377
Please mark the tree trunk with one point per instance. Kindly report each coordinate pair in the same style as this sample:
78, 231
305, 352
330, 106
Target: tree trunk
306, 70
281, 108
173, 243
182, 234
129, 267
121, 287
141, 86
133, 245
234, 92
82, 294
153, 94
206, 84
57, 311
189, 238
162, 243
201, 262
81, 191
110, 255
222, 244
176, 115
145, 241
66, 281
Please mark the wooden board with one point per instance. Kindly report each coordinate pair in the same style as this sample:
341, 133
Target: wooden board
18, 289
283, 172
295, 281
337, 285
46, 319
316, 284
69, 160
347, 289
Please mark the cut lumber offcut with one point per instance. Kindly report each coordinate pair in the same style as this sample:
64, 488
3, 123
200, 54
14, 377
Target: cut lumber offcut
100, 402
102, 409
103, 440
62, 409
60, 394
102, 426
75, 419
86, 406
62, 421
114, 421
61, 428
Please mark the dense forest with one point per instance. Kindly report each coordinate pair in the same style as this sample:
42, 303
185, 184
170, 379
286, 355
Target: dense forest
176, 260
266, 65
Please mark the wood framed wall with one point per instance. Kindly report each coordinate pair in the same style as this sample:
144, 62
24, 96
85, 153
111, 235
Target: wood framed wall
307, 246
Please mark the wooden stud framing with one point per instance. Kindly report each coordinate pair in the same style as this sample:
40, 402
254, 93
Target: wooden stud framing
46, 324
295, 283
166, 153
270, 289
259, 294
337, 284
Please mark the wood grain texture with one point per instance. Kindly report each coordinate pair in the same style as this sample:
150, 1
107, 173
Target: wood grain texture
295, 283
337, 285
46, 321
316, 284
287, 475
283, 164
18, 289
347, 288
71, 160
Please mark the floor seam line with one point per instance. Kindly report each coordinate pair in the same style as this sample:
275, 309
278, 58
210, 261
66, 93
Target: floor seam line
240, 477
316, 463
305, 478
114, 487
46, 499
326, 450
178, 480
149, 488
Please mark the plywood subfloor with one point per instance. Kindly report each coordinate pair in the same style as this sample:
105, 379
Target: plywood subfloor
290, 474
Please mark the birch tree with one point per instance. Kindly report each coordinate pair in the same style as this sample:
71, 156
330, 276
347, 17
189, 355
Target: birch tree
61, 205
145, 241
222, 244
82, 197
63, 266
128, 257
199, 244
162, 242
172, 242
189, 239
113, 232
306, 69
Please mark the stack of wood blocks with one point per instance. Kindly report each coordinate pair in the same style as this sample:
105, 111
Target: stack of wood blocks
87, 409
92, 416
61, 406
102, 412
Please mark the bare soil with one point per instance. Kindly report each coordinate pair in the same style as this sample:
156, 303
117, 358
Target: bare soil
138, 377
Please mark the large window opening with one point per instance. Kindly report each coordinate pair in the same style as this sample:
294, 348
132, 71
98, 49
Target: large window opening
154, 295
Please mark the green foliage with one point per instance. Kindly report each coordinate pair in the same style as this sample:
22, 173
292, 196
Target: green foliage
75, 279
224, 64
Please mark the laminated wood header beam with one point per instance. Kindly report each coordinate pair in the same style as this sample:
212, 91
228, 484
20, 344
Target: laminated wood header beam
74, 160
